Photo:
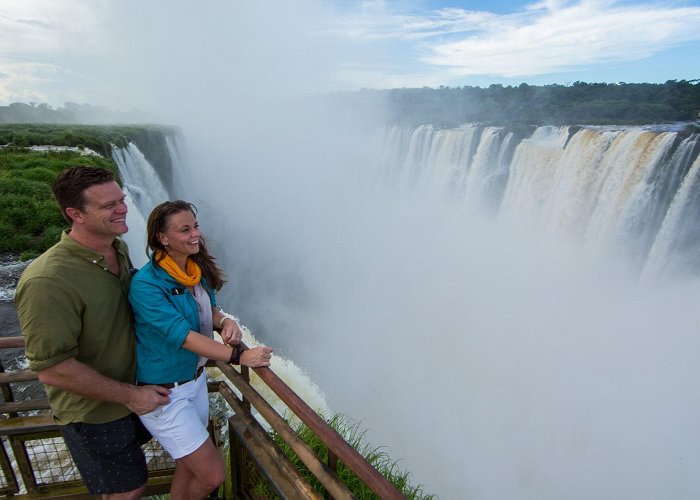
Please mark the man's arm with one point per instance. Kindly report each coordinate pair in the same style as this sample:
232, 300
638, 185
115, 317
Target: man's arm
76, 377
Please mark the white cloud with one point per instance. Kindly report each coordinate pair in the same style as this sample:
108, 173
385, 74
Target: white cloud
564, 37
545, 37
43, 43
377, 23
19, 81
46, 27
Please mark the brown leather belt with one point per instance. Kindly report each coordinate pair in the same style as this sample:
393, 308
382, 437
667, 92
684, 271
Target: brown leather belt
170, 385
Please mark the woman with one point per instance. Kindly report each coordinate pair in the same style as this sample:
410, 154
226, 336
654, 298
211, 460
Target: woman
173, 298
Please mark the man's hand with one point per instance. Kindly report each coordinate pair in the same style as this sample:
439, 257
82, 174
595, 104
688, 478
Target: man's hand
147, 398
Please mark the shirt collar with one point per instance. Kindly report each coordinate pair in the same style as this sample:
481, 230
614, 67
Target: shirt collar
84, 252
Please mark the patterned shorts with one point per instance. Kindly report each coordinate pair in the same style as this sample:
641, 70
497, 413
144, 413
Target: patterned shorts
109, 456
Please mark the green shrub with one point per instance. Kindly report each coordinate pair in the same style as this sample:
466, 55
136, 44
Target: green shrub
40, 174
28, 255
17, 185
5, 242
10, 200
49, 213
21, 218
15, 242
50, 237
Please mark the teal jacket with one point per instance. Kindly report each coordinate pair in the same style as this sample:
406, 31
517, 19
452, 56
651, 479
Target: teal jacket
164, 313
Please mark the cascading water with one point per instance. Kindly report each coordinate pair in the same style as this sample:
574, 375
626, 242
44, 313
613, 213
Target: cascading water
496, 356
144, 191
610, 189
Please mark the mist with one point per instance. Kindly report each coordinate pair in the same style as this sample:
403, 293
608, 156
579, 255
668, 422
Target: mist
494, 362
491, 360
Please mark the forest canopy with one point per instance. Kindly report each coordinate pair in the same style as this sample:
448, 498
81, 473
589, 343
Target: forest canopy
577, 104
580, 103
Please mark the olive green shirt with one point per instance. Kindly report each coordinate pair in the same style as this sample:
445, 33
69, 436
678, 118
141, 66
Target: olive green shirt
71, 306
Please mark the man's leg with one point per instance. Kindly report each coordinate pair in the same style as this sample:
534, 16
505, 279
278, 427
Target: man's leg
109, 457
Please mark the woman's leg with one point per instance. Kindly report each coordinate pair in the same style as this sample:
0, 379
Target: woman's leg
198, 474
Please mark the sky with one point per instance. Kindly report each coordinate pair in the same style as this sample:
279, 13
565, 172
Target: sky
92, 51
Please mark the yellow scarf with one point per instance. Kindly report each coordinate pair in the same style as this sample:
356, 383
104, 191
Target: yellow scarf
190, 277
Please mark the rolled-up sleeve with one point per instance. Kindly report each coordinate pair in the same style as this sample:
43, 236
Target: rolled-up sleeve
50, 320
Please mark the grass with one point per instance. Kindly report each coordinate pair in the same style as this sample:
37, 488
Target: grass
99, 138
30, 219
376, 456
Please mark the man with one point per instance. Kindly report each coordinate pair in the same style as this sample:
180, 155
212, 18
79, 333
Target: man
73, 308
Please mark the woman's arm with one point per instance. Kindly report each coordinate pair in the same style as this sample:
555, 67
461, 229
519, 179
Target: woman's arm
204, 346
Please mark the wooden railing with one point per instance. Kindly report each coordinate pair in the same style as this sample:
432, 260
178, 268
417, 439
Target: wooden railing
253, 454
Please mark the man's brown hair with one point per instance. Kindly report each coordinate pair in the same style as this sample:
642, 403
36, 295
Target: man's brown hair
69, 186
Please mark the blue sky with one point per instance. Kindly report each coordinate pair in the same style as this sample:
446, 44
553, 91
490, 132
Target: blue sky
93, 51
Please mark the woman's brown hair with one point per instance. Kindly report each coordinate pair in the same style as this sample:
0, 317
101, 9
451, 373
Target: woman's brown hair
158, 222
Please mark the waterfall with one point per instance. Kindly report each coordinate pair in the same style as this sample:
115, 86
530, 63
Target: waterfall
144, 190
678, 222
139, 177
609, 189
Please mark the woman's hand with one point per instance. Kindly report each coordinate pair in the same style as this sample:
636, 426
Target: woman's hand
230, 332
257, 356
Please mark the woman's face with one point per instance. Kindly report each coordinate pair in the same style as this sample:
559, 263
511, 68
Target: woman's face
181, 235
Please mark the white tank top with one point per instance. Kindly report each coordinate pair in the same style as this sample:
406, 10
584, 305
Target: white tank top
206, 326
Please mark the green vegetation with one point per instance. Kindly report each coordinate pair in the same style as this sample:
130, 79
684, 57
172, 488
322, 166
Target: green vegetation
579, 103
19, 112
98, 138
30, 219
356, 438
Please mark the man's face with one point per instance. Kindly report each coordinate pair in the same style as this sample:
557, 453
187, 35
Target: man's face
104, 213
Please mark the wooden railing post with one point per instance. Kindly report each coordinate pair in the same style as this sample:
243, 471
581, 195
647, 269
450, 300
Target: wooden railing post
245, 373
8, 471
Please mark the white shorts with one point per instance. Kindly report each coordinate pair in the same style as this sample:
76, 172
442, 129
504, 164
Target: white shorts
181, 425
